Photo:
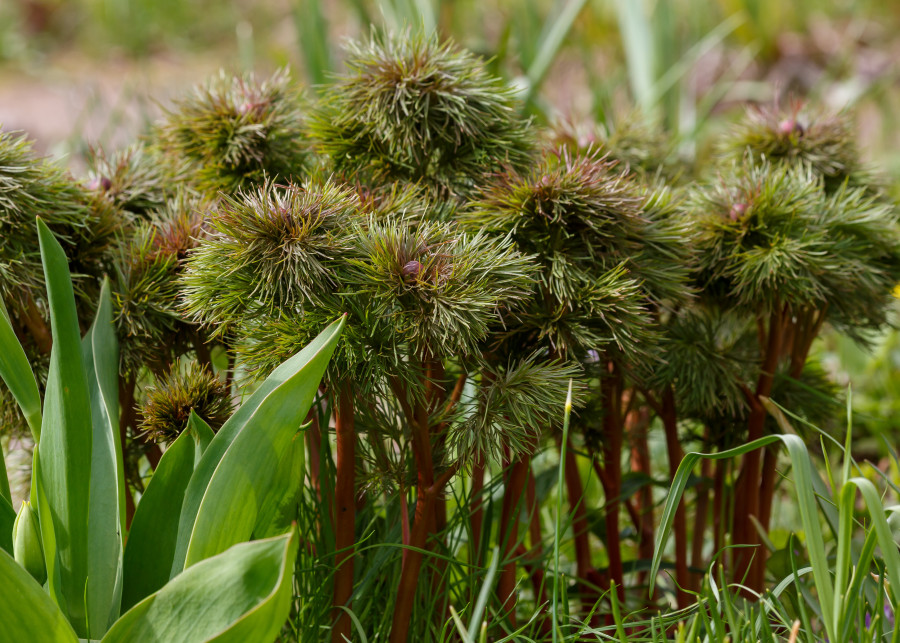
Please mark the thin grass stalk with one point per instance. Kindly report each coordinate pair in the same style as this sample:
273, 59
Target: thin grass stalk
563, 442
676, 454
476, 511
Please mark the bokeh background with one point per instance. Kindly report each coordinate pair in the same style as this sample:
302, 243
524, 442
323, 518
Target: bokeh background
81, 73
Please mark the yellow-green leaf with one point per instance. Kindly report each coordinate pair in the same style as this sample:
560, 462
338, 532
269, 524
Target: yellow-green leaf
154, 529
107, 500
242, 596
26, 611
238, 470
65, 447
16, 372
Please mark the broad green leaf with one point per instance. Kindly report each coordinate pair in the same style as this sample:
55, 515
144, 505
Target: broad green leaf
238, 469
107, 501
26, 611
279, 510
242, 595
66, 435
5, 494
154, 528
16, 372
7, 520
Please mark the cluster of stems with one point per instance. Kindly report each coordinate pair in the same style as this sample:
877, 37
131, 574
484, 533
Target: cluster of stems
480, 272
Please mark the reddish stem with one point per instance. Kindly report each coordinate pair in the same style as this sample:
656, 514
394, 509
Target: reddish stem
516, 481
748, 491
409, 576
345, 511
580, 529
613, 438
636, 422
404, 525
127, 418
34, 322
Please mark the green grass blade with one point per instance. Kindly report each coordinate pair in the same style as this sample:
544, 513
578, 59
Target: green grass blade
484, 595
26, 611
154, 529
550, 44
7, 520
679, 483
640, 51
66, 436
16, 372
312, 37
554, 610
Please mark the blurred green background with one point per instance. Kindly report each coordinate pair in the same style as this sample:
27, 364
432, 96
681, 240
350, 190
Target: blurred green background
81, 73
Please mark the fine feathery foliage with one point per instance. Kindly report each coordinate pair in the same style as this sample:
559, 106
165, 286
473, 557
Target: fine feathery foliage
411, 108
169, 403
233, 132
31, 187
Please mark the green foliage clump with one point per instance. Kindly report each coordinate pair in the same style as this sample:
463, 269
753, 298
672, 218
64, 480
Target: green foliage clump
824, 143
146, 292
168, 404
594, 233
131, 180
637, 143
233, 133
32, 187
411, 108
770, 235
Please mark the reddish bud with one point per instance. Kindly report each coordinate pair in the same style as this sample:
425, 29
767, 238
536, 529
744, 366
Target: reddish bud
737, 211
100, 183
790, 126
412, 269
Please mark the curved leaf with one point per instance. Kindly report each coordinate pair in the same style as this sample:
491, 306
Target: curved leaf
16, 372
154, 529
106, 521
237, 471
242, 595
65, 447
26, 611
7, 520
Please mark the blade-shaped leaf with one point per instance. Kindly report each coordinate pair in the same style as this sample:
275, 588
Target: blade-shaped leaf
242, 595
26, 611
279, 510
66, 434
16, 372
154, 529
243, 448
107, 501
7, 520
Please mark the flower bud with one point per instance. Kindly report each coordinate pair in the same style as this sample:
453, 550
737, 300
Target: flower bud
27, 548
